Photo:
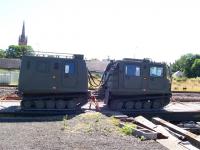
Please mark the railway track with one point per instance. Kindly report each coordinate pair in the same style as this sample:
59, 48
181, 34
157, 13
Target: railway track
34, 114
186, 92
183, 113
176, 116
171, 114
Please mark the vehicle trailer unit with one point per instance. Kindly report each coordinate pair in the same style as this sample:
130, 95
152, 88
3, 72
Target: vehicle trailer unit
136, 84
53, 83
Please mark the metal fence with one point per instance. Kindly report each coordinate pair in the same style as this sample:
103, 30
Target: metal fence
9, 78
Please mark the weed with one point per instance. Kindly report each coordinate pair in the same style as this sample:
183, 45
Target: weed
128, 128
64, 123
91, 115
142, 138
115, 121
89, 129
97, 119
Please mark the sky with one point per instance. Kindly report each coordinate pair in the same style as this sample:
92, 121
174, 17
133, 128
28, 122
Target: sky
162, 30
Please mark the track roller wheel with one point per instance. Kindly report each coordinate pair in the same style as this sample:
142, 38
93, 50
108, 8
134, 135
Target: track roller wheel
50, 104
116, 104
147, 104
71, 104
156, 104
138, 105
165, 102
39, 104
129, 105
26, 104
60, 104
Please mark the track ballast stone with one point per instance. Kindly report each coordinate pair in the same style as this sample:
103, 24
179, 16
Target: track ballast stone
88, 131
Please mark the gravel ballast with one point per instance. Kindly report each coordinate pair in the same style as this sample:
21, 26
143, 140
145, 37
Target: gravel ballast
86, 131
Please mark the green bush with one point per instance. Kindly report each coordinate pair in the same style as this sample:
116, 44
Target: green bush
196, 68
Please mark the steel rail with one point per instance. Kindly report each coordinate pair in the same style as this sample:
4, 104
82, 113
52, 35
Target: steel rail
178, 116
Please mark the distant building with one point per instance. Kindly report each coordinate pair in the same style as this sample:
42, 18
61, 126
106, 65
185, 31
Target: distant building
7, 63
9, 71
96, 65
22, 38
178, 74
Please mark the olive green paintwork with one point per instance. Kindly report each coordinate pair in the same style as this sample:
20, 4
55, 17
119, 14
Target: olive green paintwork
121, 84
49, 75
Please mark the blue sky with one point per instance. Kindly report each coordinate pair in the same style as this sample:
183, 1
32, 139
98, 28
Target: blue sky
162, 30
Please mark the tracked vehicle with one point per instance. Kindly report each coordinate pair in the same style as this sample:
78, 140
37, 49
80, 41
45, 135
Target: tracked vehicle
136, 84
53, 83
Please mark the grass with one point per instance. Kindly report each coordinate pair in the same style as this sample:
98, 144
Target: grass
92, 123
128, 128
114, 121
186, 84
142, 138
64, 123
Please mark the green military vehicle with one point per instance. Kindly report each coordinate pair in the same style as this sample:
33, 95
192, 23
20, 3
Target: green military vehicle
53, 83
136, 84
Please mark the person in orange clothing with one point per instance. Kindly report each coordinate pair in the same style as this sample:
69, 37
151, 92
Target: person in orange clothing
92, 99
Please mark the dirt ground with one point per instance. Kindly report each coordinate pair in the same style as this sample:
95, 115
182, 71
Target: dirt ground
7, 90
86, 132
186, 97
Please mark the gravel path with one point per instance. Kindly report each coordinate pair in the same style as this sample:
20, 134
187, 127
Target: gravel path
81, 132
186, 97
7, 90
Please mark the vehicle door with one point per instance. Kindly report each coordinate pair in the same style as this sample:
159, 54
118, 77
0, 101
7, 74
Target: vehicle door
69, 73
156, 77
132, 76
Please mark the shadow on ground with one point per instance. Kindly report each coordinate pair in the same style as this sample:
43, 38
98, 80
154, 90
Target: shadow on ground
13, 114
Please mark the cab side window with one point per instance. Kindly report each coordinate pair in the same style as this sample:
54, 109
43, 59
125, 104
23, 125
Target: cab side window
69, 68
132, 70
156, 71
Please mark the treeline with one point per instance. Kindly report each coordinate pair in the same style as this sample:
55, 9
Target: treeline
189, 64
16, 51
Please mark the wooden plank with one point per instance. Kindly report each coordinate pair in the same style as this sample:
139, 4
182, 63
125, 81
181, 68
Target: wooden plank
193, 138
188, 145
145, 122
170, 142
121, 116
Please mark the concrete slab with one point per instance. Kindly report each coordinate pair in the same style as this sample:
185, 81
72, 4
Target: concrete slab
9, 106
183, 106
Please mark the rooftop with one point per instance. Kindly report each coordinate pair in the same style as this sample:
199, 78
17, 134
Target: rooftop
7, 63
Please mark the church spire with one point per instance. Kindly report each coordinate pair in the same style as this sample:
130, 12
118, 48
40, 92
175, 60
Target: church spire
23, 29
22, 37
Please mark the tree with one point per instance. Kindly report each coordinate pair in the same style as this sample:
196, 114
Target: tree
185, 63
2, 53
179, 64
17, 51
196, 68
